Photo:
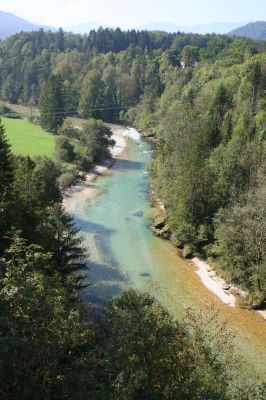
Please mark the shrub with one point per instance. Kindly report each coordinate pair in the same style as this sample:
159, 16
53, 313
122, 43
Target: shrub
67, 179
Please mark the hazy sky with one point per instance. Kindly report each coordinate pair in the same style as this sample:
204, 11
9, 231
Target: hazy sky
127, 13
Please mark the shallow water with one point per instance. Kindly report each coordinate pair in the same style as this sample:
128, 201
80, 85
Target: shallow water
125, 254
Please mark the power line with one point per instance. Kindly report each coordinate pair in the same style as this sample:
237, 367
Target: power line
104, 104
64, 111
86, 110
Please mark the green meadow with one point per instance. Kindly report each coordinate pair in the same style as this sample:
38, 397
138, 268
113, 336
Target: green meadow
28, 139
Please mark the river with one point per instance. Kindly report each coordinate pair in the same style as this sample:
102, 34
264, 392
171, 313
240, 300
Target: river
123, 253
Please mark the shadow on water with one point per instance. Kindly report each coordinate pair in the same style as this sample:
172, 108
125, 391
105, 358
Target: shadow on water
101, 236
91, 227
122, 165
98, 298
104, 273
143, 188
104, 281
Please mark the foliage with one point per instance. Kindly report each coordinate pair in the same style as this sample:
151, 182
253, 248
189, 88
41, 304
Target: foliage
64, 150
141, 367
45, 343
67, 179
241, 242
8, 113
91, 96
59, 237
189, 55
101, 74
95, 137
52, 106
209, 122
6, 181
34, 188
208, 169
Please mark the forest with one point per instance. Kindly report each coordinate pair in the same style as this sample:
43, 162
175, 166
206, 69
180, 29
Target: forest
54, 346
202, 98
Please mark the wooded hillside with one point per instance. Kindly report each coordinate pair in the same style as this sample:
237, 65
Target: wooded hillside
203, 97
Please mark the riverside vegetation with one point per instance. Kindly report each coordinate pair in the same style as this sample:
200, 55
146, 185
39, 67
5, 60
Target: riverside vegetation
209, 121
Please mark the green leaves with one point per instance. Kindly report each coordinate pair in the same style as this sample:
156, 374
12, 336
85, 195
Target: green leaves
43, 339
146, 354
59, 236
52, 107
6, 182
96, 136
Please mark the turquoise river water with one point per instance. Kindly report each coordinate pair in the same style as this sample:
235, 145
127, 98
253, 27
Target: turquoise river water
114, 215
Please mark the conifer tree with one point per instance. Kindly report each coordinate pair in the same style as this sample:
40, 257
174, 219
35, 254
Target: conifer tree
6, 181
52, 108
91, 102
60, 238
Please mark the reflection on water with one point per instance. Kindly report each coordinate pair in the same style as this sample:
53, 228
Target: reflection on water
124, 253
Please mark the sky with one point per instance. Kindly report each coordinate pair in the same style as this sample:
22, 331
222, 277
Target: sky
130, 13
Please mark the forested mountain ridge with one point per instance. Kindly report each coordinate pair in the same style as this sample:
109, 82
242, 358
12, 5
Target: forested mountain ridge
10, 24
29, 58
203, 97
253, 30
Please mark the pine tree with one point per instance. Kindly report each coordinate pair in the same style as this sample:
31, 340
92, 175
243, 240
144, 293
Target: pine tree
6, 181
227, 128
60, 238
52, 108
91, 102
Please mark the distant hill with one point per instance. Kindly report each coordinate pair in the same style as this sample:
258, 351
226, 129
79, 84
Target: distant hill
219, 27
10, 24
216, 27
253, 30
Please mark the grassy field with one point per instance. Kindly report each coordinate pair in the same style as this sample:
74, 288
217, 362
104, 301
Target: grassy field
28, 139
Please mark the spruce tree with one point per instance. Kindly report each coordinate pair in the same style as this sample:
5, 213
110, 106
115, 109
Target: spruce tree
59, 236
52, 108
92, 96
6, 181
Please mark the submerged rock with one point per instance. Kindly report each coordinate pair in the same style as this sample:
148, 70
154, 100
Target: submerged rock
138, 214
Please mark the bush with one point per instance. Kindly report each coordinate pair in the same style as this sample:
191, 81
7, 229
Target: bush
188, 251
4, 109
8, 113
65, 150
67, 179
68, 130
12, 115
